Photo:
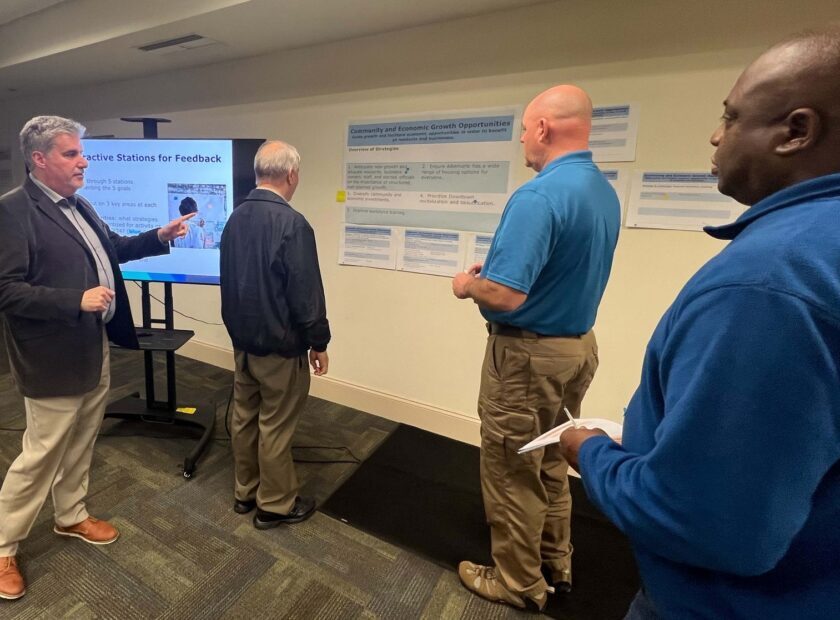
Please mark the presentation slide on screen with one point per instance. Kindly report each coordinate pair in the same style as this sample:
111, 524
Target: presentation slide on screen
136, 185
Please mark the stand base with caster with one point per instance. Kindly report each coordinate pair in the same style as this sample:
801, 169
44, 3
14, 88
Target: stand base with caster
135, 408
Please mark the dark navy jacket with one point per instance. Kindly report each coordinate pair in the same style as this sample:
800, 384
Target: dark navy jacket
272, 295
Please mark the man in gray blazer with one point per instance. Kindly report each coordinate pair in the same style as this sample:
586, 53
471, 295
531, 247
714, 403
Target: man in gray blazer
63, 297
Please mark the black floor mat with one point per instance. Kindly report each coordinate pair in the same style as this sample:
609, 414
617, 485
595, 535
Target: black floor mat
422, 492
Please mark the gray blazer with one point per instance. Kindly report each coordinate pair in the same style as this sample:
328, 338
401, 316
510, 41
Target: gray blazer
54, 348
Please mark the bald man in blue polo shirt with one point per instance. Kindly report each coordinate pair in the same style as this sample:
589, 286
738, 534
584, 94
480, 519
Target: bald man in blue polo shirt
539, 290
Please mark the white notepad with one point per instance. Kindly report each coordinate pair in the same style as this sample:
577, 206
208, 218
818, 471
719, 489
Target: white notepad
611, 428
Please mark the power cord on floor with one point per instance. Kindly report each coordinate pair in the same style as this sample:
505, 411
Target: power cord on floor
355, 460
227, 411
186, 316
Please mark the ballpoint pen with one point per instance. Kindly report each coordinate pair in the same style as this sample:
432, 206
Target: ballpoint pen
571, 419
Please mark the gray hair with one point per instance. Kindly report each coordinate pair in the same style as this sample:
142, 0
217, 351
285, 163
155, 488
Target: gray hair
275, 160
39, 133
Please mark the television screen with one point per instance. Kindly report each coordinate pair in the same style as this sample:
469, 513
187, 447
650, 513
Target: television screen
136, 185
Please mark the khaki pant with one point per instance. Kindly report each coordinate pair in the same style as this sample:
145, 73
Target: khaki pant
525, 384
269, 393
57, 452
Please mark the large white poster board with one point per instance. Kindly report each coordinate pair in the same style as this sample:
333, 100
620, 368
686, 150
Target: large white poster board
614, 132
679, 201
448, 170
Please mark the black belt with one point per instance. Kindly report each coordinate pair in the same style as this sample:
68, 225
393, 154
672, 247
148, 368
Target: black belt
500, 329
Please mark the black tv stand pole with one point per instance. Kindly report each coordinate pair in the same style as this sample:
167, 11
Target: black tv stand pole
169, 324
168, 340
151, 409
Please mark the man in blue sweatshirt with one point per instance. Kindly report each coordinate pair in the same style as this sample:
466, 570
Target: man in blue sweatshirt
728, 478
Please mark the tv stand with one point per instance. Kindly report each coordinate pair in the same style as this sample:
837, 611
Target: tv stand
166, 411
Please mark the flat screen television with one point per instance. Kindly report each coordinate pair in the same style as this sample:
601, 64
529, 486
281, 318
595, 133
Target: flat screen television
138, 184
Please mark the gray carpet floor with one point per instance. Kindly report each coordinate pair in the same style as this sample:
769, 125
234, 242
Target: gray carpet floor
183, 553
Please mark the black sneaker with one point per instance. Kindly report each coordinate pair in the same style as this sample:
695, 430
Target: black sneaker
561, 581
244, 507
301, 511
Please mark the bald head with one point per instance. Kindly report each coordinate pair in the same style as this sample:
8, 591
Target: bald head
819, 50
563, 103
803, 71
782, 119
556, 122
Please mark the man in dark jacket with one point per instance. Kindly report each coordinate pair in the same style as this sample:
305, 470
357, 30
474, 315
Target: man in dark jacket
274, 310
63, 298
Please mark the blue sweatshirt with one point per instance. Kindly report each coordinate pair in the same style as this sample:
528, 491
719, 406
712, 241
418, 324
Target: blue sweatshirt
728, 479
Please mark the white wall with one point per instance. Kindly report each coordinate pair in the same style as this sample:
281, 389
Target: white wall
403, 346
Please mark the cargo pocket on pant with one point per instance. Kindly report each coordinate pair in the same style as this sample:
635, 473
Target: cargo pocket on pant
510, 431
520, 429
503, 469
505, 382
494, 474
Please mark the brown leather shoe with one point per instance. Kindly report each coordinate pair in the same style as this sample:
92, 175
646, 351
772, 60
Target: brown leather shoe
11, 581
90, 530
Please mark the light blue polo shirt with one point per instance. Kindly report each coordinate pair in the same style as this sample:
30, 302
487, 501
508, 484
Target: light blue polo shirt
555, 242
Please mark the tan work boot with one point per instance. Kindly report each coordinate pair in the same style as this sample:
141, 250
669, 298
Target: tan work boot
90, 530
482, 580
11, 581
